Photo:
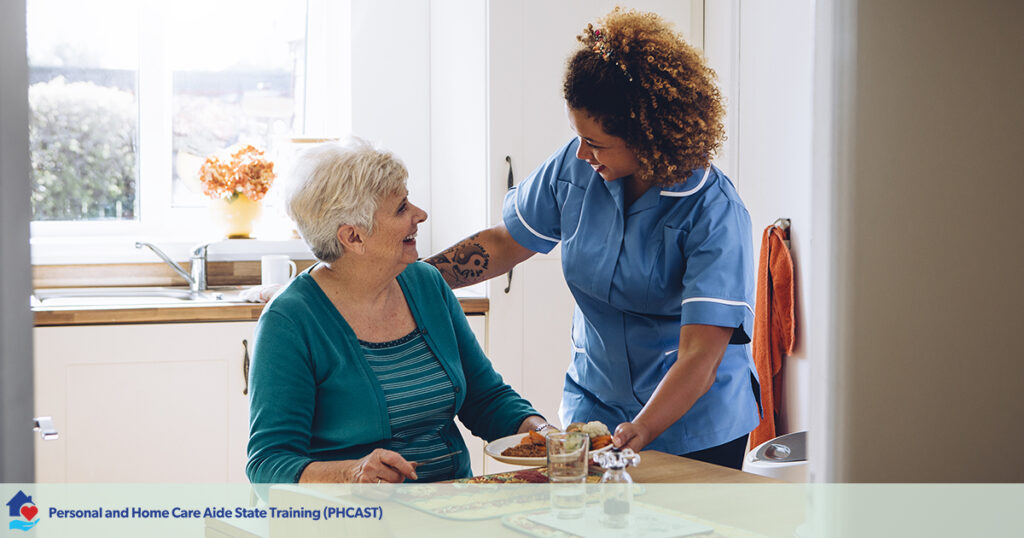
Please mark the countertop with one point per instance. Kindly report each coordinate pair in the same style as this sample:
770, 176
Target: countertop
179, 313
233, 274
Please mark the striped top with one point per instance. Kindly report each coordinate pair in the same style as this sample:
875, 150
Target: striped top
420, 399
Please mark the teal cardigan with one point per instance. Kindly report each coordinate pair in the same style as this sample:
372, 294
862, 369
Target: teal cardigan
314, 398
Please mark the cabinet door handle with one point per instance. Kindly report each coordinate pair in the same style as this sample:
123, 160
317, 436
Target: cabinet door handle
508, 187
245, 366
44, 425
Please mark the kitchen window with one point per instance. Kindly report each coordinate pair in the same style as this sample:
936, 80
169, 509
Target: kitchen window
410, 75
128, 98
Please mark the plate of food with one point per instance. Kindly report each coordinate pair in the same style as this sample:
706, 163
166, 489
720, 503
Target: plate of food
529, 448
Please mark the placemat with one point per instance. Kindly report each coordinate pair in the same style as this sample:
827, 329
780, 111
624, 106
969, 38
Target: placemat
532, 524
644, 522
524, 476
476, 502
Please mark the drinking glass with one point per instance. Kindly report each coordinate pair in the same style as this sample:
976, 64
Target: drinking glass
567, 473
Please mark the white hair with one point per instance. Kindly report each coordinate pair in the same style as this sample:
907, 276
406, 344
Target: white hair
337, 183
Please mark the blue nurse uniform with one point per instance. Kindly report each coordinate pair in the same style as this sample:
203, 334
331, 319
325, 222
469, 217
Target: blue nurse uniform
678, 255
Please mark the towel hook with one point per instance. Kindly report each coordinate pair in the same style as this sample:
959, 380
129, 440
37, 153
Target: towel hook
783, 224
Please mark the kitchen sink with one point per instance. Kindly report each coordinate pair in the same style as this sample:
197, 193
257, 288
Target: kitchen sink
134, 295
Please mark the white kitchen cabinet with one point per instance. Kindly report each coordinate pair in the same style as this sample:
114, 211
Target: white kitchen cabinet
153, 403
143, 403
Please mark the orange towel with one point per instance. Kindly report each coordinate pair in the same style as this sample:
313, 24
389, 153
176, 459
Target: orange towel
773, 326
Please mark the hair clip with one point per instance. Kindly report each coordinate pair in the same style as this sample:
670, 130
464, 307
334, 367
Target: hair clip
600, 46
606, 51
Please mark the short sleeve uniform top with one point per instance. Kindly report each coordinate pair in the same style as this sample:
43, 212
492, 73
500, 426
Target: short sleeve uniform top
678, 255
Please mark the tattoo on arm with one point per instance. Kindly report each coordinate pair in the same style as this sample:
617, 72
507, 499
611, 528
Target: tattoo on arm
462, 264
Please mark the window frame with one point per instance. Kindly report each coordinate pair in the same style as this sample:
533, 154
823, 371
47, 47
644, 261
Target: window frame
177, 228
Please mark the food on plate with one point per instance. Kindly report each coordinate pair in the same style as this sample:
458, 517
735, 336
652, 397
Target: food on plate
600, 437
600, 442
532, 446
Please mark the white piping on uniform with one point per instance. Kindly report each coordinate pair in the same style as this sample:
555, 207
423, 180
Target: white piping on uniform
521, 219
693, 190
720, 301
578, 349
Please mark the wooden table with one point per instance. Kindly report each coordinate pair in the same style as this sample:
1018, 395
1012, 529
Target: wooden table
729, 498
661, 468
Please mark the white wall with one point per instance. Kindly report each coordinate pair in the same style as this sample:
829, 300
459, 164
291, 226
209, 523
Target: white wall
720, 36
16, 457
418, 83
763, 54
774, 159
458, 119
391, 88
325, 85
929, 376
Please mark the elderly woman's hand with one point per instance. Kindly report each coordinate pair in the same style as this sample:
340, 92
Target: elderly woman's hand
381, 466
536, 423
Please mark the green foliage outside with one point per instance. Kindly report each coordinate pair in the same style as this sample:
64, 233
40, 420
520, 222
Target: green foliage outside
83, 139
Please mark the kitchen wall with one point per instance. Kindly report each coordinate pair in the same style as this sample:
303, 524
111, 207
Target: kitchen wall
774, 153
390, 84
458, 120
926, 236
763, 54
423, 96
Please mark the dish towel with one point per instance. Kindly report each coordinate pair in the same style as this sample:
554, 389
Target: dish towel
773, 326
261, 294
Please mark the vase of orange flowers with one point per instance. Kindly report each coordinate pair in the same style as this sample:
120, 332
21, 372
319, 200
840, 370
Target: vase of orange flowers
237, 183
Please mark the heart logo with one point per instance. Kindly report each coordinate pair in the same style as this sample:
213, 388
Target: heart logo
29, 512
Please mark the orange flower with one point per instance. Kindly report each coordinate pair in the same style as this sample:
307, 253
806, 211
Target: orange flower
246, 173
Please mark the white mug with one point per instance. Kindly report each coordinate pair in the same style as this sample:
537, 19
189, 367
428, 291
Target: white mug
276, 269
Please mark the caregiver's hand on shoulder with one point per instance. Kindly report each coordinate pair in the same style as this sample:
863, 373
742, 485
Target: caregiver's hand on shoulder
381, 466
631, 435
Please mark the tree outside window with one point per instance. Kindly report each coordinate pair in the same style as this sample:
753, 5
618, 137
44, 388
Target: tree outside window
110, 80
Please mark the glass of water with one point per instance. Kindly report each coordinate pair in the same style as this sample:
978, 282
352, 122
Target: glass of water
567, 473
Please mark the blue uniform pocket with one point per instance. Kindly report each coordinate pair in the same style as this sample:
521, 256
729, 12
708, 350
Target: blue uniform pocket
572, 204
665, 284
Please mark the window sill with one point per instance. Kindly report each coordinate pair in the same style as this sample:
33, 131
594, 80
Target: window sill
114, 261
108, 250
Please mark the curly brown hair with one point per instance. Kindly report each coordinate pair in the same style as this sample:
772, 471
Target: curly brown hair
641, 82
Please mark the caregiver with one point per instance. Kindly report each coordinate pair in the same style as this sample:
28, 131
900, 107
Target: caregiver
656, 246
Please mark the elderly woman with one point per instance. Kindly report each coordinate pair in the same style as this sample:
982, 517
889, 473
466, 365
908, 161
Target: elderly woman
363, 361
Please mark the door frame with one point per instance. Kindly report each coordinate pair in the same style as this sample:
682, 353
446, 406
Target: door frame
16, 377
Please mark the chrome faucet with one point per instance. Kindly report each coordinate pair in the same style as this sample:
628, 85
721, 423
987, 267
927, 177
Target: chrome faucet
197, 280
